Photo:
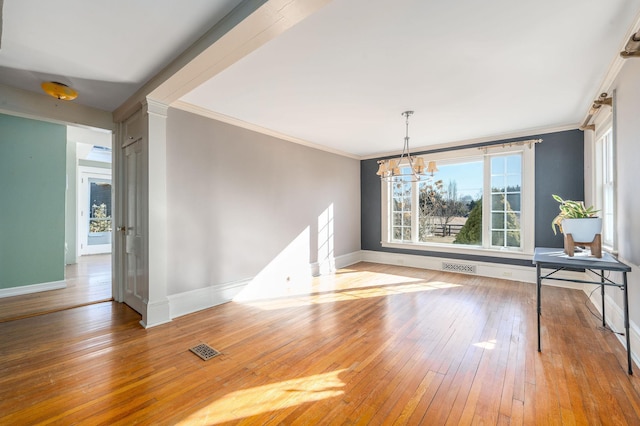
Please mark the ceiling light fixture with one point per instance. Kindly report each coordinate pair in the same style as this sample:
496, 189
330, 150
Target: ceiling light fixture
59, 90
392, 169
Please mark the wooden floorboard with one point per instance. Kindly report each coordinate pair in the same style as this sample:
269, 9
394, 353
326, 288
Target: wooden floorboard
87, 282
372, 344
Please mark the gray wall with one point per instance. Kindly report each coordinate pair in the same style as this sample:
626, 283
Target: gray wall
558, 169
32, 201
627, 145
238, 199
627, 139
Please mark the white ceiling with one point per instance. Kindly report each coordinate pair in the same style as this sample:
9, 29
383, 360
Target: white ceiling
342, 77
106, 50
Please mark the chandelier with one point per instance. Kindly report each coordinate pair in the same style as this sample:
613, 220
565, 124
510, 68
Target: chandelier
396, 168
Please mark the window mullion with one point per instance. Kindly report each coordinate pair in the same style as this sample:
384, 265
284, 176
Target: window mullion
415, 199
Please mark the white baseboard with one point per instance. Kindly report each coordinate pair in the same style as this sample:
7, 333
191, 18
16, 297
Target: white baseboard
157, 313
196, 300
33, 288
485, 269
614, 317
334, 263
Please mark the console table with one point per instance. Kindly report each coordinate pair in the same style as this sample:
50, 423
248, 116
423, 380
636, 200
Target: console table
557, 260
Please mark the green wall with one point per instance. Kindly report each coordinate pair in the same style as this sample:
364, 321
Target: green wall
32, 201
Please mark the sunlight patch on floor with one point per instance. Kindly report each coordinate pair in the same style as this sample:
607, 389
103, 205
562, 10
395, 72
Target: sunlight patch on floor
276, 396
489, 344
348, 295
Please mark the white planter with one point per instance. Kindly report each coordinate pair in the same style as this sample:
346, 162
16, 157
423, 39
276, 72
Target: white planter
582, 230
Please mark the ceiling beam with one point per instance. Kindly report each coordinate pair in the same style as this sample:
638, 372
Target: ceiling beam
250, 25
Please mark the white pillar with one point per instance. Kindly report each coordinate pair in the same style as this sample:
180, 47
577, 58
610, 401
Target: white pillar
157, 304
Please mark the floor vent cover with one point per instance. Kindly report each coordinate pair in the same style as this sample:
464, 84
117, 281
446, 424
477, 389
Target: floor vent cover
459, 267
204, 351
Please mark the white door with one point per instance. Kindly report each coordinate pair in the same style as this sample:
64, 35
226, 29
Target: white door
135, 279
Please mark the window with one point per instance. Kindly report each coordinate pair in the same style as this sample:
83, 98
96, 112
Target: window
476, 201
605, 184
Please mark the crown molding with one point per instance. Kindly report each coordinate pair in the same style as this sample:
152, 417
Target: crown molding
606, 86
467, 142
188, 107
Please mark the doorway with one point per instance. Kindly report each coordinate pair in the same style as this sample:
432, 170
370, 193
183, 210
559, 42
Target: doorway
85, 273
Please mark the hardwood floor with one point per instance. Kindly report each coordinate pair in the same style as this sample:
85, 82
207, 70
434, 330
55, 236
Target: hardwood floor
88, 281
373, 344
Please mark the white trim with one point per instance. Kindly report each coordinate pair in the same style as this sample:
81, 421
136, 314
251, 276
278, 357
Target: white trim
337, 262
158, 311
203, 298
248, 26
614, 313
457, 249
32, 288
194, 109
614, 67
615, 320
463, 143
486, 269
466, 154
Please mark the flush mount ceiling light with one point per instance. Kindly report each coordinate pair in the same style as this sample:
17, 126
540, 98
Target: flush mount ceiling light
396, 169
59, 90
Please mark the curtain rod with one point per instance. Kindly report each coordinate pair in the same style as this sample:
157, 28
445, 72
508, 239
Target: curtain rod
529, 142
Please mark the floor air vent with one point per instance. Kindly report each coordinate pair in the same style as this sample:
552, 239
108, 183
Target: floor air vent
459, 267
204, 351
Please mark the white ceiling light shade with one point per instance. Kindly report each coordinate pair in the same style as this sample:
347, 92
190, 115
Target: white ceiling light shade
392, 169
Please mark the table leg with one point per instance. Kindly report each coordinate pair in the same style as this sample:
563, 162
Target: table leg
626, 321
604, 324
538, 299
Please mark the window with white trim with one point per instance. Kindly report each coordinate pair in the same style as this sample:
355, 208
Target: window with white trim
478, 200
605, 184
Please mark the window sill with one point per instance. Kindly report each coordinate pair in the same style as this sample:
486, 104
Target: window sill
446, 248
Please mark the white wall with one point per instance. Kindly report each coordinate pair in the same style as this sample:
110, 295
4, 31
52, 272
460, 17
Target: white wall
243, 205
627, 134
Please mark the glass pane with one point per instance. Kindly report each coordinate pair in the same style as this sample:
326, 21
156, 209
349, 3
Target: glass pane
406, 234
497, 166
497, 220
497, 238
406, 217
513, 238
407, 203
513, 220
514, 201
498, 183
514, 164
99, 211
514, 182
397, 233
497, 202
397, 219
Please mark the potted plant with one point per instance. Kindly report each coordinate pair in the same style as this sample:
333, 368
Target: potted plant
578, 221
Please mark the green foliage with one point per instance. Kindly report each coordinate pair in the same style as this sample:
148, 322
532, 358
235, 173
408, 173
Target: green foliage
471, 232
570, 209
99, 221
